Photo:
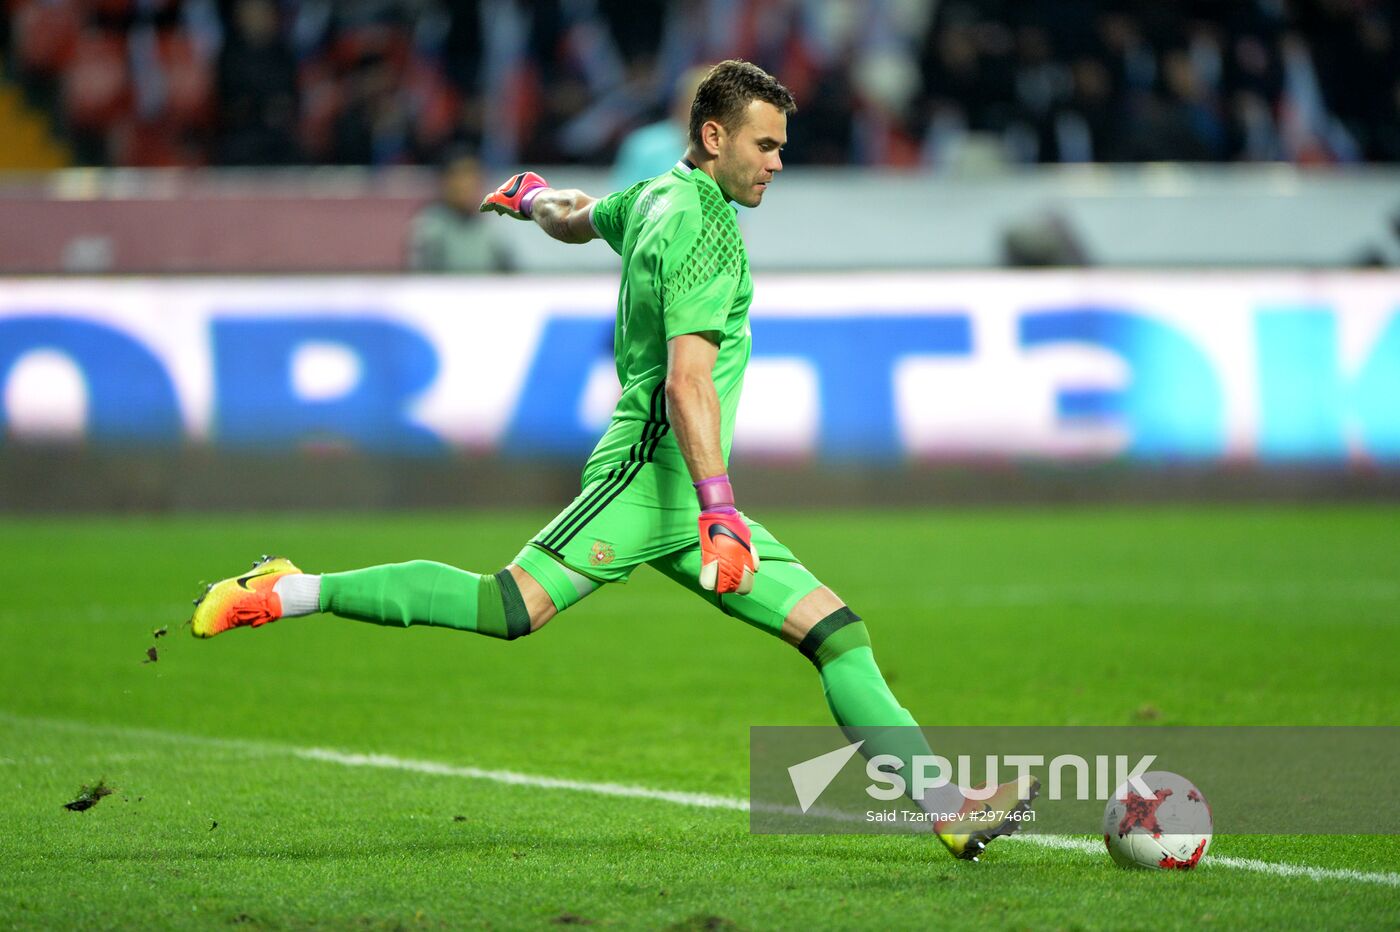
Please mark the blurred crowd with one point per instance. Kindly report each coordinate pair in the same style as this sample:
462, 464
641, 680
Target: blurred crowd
880, 82
1306, 81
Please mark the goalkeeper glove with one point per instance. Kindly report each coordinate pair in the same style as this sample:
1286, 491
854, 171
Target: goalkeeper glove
728, 559
516, 197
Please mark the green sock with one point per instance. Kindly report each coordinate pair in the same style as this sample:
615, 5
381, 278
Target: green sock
860, 699
858, 695
422, 592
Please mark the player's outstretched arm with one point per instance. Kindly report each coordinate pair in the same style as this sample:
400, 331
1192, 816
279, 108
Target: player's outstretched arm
728, 559
560, 212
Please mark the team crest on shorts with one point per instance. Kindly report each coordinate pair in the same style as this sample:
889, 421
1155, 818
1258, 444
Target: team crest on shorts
602, 553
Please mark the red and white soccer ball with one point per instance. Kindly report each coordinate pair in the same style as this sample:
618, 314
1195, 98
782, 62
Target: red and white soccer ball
1169, 829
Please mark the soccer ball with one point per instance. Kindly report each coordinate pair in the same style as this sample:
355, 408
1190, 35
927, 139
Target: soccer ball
1168, 830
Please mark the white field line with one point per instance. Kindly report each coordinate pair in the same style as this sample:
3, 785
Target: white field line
512, 778
1275, 868
628, 791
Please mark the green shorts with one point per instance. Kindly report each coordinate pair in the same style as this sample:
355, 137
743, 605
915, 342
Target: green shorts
629, 517
620, 521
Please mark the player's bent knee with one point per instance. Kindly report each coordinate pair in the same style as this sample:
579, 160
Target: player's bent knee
539, 606
837, 633
818, 603
501, 610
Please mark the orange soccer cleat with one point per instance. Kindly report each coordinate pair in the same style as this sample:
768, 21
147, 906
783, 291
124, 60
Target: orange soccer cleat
240, 601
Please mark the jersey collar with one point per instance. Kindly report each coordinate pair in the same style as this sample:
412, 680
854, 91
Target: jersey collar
686, 167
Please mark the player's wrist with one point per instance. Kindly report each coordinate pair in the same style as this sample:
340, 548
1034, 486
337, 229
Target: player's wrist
527, 201
716, 495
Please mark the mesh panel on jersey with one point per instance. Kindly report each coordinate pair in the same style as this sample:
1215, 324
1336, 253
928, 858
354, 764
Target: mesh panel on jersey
717, 251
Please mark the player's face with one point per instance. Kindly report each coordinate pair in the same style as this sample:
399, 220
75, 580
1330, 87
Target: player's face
751, 155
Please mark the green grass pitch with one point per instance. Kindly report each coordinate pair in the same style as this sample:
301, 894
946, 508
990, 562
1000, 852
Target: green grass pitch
1221, 615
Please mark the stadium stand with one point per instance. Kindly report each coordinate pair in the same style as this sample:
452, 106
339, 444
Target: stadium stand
26, 141
186, 82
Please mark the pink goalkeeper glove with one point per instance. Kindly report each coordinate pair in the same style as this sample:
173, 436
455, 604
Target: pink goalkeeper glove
516, 197
728, 559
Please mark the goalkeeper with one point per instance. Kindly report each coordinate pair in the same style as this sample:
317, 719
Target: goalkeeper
655, 489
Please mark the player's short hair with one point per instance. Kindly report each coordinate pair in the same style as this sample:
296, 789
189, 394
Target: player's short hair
726, 92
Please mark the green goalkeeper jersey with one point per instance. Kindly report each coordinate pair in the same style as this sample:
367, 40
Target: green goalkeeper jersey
684, 270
